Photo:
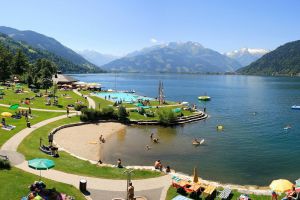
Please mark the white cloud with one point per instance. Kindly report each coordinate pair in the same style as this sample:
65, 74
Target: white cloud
153, 40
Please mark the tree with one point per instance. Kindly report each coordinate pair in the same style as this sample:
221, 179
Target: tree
20, 63
43, 70
122, 114
5, 63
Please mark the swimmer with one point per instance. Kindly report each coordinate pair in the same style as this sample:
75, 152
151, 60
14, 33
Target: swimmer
147, 147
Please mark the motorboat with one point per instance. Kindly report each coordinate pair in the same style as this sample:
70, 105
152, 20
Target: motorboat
204, 98
295, 107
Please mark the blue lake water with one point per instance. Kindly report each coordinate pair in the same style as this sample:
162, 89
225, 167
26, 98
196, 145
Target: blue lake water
252, 149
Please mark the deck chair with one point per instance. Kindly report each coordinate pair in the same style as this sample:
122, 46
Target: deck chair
225, 193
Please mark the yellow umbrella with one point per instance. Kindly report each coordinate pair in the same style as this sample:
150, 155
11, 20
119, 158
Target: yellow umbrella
281, 185
195, 175
6, 114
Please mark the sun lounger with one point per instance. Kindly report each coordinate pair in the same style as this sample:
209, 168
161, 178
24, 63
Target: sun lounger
225, 193
8, 127
208, 191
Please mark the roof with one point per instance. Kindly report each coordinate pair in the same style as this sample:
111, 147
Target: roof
61, 78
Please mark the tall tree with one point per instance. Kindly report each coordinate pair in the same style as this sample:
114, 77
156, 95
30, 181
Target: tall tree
5, 63
20, 63
48, 69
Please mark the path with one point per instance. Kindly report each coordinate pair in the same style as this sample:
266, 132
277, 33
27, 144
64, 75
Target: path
92, 103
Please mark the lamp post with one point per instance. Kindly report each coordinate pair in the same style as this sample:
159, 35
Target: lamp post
128, 173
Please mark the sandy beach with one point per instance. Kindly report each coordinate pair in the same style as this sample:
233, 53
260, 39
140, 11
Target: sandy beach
84, 140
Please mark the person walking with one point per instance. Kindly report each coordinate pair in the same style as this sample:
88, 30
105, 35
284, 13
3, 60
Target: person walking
130, 192
50, 139
68, 111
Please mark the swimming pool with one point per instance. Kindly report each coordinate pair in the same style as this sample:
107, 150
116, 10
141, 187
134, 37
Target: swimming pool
121, 96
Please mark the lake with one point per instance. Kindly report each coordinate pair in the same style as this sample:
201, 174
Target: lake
253, 148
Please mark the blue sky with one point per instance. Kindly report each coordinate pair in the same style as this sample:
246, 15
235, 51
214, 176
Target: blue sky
121, 26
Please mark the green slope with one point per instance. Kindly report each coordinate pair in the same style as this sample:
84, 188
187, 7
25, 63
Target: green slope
285, 60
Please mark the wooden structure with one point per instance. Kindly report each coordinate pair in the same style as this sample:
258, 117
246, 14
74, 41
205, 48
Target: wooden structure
161, 97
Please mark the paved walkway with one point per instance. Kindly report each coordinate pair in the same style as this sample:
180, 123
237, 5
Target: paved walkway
92, 103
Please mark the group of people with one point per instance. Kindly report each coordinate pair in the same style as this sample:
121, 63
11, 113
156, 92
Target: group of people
159, 166
291, 195
21, 113
35, 190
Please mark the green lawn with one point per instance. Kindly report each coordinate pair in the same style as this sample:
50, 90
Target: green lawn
70, 164
20, 124
64, 98
137, 116
235, 194
14, 185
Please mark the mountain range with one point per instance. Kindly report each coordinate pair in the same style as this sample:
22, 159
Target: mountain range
47, 45
176, 57
245, 56
96, 57
281, 61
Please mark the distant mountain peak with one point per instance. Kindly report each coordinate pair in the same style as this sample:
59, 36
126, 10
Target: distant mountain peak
97, 58
245, 56
178, 57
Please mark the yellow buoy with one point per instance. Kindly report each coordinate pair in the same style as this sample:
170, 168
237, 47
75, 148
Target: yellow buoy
220, 127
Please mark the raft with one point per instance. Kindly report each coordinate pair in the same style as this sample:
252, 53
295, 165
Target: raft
204, 98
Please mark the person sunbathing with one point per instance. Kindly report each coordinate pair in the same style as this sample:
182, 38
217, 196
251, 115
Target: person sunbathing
292, 194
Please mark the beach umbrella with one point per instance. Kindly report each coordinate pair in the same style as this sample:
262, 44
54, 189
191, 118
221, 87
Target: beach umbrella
298, 182
14, 107
195, 179
281, 185
41, 164
6, 114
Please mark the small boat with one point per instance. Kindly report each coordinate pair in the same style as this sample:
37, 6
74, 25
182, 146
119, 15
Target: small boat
196, 142
295, 107
287, 127
204, 98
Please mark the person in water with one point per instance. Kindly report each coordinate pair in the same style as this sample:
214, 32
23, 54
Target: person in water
147, 147
151, 136
119, 163
196, 140
155, 140
158, 165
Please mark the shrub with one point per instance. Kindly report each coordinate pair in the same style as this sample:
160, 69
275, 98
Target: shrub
166, 117
122, 114
4, 164
88, 114
79, 107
